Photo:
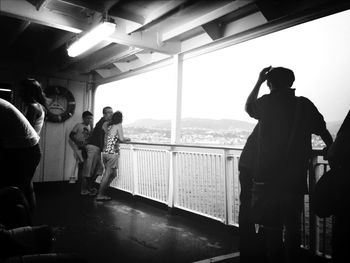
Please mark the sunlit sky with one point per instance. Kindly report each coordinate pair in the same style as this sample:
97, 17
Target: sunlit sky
216, 85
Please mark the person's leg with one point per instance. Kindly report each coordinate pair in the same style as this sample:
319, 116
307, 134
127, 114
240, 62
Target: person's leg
31, 160
111, 165
14, 207
248, 239
18, 167
292, 205
88, 167
98, 171
95, 167
274, 244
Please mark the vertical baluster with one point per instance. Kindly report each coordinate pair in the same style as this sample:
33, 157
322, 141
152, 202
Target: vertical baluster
152, 171
158, 176
180, 179
200, 183
324, 230
204, 182
187, 180
194, 184
175, 177
188, 177
211, 184
165, 170
149, 162
303, 226
143, 172
312, 217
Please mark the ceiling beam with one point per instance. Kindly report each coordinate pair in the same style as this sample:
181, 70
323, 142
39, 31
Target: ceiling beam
14, 35
107, 56
23, 10
151, 57
130, 65
207, 12
213, 29
99, 6
164, 9
38, 3
107, 73
63, 40
128, 15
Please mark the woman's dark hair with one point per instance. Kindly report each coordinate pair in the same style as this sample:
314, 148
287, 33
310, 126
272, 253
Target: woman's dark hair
117, 118
31, 91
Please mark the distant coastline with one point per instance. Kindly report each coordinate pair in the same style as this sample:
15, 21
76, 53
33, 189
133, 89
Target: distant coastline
224, 132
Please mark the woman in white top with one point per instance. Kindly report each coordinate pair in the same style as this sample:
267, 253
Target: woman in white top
110, 153
19, 151
34, 103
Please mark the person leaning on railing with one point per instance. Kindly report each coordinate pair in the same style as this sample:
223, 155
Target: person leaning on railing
93, 165
110, 153
286, 123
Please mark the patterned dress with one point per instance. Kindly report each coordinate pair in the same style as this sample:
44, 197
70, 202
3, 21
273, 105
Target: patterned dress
111, 142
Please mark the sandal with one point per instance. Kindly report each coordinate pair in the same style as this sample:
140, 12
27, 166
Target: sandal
103, 198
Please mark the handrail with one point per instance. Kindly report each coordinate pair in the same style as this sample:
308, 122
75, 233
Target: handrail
315, 152
219, 147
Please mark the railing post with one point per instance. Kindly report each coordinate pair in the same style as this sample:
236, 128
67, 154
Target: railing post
228, 189
135, 188
171, 188
312, 216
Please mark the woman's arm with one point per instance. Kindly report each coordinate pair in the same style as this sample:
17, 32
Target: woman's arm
32, 114
121, 134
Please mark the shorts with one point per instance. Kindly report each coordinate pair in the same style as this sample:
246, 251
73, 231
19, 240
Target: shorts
110, 160
92, 165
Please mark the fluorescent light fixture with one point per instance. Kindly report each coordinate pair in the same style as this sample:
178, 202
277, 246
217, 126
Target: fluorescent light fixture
91, 38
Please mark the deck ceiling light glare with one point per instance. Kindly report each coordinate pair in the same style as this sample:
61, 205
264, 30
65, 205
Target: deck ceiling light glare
91, 38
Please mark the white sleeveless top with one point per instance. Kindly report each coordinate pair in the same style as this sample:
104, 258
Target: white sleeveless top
15, 130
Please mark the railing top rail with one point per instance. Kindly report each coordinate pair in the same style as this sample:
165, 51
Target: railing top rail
188, 145
315, 152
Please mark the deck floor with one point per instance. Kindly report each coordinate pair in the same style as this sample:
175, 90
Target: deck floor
127, 229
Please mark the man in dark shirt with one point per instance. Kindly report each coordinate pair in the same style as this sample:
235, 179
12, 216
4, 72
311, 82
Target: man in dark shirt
93, 165
286, 123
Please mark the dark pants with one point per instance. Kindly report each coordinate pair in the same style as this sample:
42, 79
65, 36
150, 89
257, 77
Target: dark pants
17, 169
251, 243
14, 208
288, 251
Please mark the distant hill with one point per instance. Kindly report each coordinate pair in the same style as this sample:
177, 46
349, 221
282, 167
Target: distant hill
196, 123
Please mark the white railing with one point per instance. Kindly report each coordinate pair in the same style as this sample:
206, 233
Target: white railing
204, 180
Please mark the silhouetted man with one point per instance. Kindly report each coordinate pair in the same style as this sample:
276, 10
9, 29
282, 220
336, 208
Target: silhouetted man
286, 123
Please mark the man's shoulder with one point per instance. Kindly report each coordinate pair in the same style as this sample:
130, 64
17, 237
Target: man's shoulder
305, 101
100, 122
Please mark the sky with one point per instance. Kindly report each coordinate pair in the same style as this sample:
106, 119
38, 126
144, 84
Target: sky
216, 84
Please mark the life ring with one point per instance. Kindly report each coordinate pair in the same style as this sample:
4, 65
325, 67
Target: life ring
61, 105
